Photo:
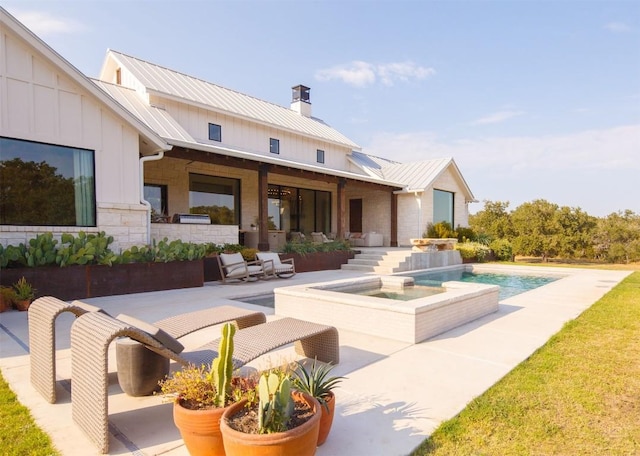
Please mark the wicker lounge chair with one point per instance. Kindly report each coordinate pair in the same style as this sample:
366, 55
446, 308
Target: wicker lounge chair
234, 267
42, 335
274, 266
92, 333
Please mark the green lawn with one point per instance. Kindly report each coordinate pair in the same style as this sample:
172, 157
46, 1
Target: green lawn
579, 394
19, 435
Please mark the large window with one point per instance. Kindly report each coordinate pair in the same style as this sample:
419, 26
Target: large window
299, 209
46, 185
217, 196
443, 207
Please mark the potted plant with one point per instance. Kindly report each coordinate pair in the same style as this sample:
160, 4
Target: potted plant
317, 382
283, 422
7, 298
24, 294
200, 396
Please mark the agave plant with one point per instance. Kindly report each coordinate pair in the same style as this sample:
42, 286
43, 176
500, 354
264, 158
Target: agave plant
316, 380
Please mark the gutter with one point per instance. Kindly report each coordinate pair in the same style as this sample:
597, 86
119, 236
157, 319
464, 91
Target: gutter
147, 204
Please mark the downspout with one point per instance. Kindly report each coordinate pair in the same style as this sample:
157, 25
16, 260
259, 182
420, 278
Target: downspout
147, 204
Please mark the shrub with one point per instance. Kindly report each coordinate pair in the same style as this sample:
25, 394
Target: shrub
440, 230
502, 249
466, 234
473, 251
248, 254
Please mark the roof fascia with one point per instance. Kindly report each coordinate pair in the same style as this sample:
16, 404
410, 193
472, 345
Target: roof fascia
49, 53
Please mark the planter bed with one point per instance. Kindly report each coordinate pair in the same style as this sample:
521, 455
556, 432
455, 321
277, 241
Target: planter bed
78, 282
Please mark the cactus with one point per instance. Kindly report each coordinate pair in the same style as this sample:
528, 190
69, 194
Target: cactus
41, 250
275, 404
222, 366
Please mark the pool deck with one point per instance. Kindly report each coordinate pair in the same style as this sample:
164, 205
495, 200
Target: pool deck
395, 393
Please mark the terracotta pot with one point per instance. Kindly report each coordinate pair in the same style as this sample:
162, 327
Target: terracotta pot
299, 441
326, 418
23, 304
200, 430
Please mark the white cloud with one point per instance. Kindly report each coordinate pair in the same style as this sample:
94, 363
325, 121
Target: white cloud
357, 74
595, 170
614, 148
617, 27
363, 74
42, 23
497, 117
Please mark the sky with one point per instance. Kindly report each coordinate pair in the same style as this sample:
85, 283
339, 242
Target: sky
532, 99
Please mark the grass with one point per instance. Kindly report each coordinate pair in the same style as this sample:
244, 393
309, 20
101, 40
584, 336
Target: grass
19, 434
579, 394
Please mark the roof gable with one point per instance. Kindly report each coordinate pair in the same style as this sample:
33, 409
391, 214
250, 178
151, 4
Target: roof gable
188, 89
416, 176
7, 20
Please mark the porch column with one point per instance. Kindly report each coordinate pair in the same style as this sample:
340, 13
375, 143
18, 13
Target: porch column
394, 220
263, 208
341, 209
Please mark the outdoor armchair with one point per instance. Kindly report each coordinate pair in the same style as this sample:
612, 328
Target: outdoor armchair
234, 267
274, 266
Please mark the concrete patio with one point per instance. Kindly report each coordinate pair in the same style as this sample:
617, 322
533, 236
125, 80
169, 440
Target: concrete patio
395, 393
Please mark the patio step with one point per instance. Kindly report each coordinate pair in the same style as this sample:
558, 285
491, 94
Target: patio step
379, 262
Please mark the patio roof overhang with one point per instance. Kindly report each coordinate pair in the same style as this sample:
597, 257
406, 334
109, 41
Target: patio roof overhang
253, 161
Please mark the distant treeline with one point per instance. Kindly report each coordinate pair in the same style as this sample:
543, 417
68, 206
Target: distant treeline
543, 229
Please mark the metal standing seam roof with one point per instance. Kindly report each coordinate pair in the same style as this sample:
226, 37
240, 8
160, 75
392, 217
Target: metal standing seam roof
155, 118
169, 82
415, 175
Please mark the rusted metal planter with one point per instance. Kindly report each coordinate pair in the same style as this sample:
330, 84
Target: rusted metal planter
78, 282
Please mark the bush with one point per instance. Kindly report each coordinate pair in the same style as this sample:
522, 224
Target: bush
440, 230
466, 234
502, 249
473, 251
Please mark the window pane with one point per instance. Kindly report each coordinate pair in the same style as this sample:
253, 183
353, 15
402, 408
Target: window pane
46, 185
215, 132
323, 212
443, 207
217, 196
320, 156
274, 146
156, 195
307, 210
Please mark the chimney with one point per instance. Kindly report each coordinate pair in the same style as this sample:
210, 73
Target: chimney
300, 101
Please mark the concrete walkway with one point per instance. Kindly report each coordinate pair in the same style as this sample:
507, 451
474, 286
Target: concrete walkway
395, 394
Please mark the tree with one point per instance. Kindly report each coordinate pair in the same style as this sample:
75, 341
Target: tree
578, 230
617, 237
539, 232
493, 221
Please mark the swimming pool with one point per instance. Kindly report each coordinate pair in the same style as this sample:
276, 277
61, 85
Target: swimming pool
510, 284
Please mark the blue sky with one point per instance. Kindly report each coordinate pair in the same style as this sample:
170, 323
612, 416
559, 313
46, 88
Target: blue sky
533, 99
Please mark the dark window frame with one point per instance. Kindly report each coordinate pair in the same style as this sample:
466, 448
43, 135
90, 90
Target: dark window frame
274, 146
164, 200
320, 155
88, 211
452, 207
237, 194
217, 132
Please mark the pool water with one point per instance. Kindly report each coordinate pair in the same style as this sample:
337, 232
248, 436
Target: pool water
510, 284
402, 294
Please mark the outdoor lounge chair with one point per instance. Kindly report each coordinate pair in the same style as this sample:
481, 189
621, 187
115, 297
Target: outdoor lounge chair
92, 333
274, 266
234, 267
42, 335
